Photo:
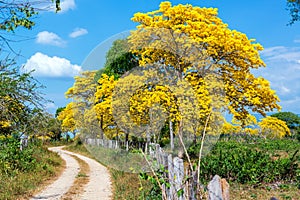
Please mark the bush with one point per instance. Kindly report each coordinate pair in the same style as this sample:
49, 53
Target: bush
12, 159
247, 163
21, 172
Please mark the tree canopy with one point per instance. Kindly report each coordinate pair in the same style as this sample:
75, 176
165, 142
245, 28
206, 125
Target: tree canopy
292, 120
195, 40
21, 102
194, 43
273, 127
20, 98
19, 13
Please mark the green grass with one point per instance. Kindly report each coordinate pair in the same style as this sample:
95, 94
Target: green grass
19, 184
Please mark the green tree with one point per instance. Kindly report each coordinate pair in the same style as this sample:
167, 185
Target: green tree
118, 60
19, 98
292, 120
19, 13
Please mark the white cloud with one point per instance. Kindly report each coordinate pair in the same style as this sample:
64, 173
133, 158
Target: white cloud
66, 5
292, 104
297, 41
283, 72
50, 106
78, 32
49, 38
284, 90
280, 53
45, 66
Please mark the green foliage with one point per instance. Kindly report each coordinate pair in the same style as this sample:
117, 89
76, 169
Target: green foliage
15, 14
244, 163
155, 192
156, 182
118, 60
21, 172
12, 159
20, 98
18, 14
292, 121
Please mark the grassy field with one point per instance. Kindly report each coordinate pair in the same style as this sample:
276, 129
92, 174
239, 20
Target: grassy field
20, 181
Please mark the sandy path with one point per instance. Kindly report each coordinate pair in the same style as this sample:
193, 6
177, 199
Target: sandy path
98, 187
59, 187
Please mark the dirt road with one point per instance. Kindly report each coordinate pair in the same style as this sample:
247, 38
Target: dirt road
98, 187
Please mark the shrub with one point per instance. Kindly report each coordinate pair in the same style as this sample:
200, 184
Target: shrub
245, 163
12, 159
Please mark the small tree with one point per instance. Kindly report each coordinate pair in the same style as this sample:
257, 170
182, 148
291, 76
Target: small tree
20, 98
271, 127
292, 120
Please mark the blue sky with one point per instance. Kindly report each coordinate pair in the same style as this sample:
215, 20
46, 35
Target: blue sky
59, 43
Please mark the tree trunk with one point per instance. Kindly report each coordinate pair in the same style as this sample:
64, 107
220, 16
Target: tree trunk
148, 140
181, 144
101, 128
171, 135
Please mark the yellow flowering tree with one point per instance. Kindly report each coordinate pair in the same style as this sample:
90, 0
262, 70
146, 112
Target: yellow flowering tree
67, 118
272, 127
194, 39
103, 103
82, 93
248, 126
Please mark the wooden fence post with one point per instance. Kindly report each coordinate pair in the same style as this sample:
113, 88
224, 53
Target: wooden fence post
179, 175
218, 189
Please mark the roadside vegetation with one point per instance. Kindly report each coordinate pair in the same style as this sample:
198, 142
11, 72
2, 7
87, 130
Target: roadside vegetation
23, 172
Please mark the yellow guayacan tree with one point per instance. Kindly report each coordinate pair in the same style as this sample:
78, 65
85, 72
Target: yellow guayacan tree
149, 104
82, 92
272, 127
84, 88
103, 103
247, 126
146, 97
194, 39
228, 129
67, 118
